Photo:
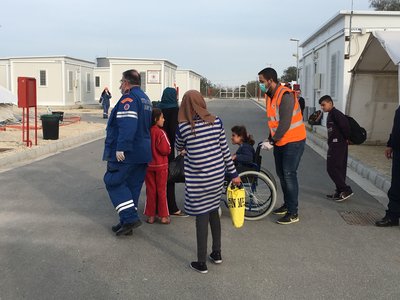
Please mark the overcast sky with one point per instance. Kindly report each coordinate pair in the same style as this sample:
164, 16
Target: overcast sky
226, 41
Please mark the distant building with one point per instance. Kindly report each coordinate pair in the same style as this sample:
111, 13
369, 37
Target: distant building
156, 75
61, 80
187, 80
330, 57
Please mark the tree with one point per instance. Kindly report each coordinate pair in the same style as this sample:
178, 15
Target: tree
385, 4
252, 88
290, 74
205, 84
207, 88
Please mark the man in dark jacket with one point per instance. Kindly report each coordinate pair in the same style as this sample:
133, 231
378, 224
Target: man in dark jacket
336, 161
127, 151
393, 152
302, 102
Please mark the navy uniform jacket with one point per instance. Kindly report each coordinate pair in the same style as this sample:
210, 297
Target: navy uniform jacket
128, 128
394, 139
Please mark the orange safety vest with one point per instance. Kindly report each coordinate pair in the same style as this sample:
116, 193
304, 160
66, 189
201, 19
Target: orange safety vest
297, 130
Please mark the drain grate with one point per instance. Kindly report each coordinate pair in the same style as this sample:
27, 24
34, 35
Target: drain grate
360, 218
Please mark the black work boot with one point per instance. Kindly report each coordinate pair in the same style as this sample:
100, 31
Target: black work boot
387, 221
126, 229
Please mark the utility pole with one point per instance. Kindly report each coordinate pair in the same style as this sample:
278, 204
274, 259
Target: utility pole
297, 58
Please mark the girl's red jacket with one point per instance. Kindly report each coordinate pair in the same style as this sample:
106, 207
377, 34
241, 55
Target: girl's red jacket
160, 148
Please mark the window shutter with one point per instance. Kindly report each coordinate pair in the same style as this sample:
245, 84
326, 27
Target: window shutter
43, 78
88, 83
143, 81
334, 74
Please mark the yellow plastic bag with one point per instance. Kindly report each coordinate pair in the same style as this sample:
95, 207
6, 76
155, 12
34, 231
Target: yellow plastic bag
236, 203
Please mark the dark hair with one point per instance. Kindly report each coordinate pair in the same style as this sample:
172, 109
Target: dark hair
326, 98
155, 115
268, 74
242, 132
132, 76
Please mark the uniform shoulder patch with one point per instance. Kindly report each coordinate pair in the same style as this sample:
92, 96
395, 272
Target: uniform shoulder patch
126, 100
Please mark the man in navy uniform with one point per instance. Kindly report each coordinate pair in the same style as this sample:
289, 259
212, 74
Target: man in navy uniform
128, 151
393, 152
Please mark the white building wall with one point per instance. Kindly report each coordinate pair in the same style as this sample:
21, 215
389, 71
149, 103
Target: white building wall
77, 89
87, 85
56, 90
318, 51
67, 78
4, 74
104, 77
164, 72
194, 82
182, 82
187, 80
49, 94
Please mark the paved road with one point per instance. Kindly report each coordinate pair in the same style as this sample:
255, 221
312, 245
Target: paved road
56, 242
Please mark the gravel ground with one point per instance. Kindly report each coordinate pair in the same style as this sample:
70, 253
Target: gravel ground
76, 122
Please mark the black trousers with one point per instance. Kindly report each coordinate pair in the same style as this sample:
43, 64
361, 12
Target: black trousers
336, 165
394, 191
202, 233
172, 207
171, 200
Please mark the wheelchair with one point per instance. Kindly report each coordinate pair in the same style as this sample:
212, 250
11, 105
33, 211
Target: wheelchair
260, 188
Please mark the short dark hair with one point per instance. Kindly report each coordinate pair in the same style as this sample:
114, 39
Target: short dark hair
268, 74
132, 76
326, 98
155, 115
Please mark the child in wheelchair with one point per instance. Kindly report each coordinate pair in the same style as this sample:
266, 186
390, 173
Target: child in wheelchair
244, 156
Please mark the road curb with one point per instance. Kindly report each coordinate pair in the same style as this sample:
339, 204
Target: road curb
50, 149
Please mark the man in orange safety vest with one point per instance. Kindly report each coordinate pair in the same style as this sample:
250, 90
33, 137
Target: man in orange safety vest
287, 135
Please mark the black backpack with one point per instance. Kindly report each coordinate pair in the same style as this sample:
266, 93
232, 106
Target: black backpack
315, 118
358, 134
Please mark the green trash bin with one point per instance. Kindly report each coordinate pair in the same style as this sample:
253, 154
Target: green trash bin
50, 126
60, 114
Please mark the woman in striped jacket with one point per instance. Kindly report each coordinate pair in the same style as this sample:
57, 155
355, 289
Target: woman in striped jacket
207, 158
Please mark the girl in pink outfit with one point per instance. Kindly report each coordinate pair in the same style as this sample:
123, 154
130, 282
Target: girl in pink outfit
157, 171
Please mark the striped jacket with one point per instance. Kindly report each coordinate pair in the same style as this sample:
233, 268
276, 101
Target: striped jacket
207, 160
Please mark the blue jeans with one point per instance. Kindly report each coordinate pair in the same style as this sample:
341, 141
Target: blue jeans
106, 107
287, 159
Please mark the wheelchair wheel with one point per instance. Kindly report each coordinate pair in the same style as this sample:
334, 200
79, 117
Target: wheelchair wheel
260, 194
269, 175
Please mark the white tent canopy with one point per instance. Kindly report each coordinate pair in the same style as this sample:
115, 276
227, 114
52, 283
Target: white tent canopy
6, 96
390, 41
374, 92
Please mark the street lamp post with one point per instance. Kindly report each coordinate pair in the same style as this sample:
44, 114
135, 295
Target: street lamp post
297, 58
